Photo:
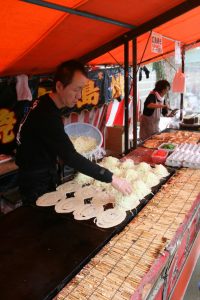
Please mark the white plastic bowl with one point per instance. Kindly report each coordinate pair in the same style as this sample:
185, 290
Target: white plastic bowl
85, 129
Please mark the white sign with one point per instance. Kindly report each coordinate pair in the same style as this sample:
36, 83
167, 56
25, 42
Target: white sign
177, 52
156, 43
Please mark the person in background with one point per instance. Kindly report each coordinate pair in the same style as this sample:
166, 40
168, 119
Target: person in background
153, 107
41, 139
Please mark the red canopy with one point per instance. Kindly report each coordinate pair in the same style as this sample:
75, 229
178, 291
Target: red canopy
35, 39
184, 28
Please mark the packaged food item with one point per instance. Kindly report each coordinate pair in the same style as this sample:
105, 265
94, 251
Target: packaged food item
186, 155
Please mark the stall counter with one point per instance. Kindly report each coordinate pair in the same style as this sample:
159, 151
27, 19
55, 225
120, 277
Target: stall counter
146, 258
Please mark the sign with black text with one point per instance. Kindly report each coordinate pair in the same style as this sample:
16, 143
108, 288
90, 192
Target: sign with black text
156, 43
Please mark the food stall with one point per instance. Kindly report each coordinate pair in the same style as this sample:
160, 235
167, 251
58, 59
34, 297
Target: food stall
47, 254
141, 257
145, 260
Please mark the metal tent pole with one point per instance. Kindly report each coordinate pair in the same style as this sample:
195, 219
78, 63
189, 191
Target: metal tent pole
80, 13
126, 95
134, 54
183, 70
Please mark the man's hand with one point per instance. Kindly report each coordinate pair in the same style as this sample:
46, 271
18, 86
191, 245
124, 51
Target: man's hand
166, 106
122, 185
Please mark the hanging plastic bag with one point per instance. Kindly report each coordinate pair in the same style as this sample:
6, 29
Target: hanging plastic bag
178, 84
22, 88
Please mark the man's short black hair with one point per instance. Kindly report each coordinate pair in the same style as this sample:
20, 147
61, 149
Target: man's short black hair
161, 85
65, 72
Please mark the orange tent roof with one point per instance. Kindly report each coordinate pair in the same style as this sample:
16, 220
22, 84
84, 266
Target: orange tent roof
35, 39
184, 28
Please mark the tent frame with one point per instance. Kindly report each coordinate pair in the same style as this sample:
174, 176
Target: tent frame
80, 13
134, 59
124, 39
126, 96
139, 30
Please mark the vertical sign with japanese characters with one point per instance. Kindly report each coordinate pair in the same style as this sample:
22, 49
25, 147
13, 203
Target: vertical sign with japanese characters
156, 43
11, 113
102, 86
90, 95
8, 117
7, 121
177, 52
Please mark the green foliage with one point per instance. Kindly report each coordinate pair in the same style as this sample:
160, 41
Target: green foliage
160, 70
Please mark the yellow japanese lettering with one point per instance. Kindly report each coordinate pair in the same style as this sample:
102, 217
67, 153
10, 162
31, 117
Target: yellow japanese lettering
7, 121
90, 95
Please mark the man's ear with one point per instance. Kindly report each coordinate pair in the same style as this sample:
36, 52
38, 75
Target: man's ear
59, 86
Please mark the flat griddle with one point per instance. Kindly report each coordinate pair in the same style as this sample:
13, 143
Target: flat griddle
41, 250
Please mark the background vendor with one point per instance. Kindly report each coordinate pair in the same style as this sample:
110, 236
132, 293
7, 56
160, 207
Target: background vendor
153, 106
42, 139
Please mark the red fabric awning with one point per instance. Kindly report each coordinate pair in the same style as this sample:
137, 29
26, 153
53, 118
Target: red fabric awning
36, 39
184, 28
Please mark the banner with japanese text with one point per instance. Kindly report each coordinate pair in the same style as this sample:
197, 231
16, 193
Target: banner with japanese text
8, 118
103, 86
11, 112
156, 43
178, 58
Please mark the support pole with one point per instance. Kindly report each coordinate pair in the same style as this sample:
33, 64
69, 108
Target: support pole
80, 13
126, 96
183, 70
134, 59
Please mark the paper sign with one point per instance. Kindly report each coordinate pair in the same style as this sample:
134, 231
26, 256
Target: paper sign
177, 52
156, 43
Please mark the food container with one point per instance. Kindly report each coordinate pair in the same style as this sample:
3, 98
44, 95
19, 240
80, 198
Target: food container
87, 130
169, 147
185, 155
159, 156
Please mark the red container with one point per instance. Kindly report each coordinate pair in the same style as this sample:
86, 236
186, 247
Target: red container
159, 156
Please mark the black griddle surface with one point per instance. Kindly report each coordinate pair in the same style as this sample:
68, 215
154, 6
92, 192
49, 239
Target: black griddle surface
40, 251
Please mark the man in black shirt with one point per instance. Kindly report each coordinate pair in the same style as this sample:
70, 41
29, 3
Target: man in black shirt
153, 105
41, 139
